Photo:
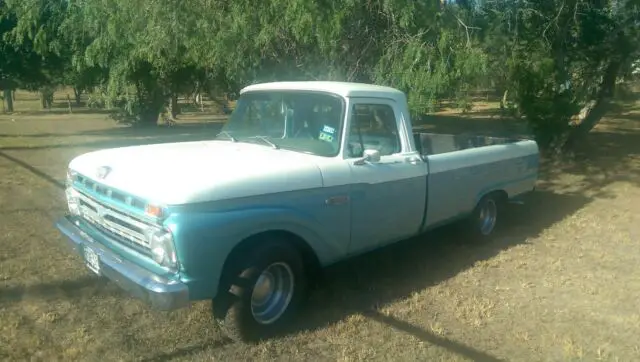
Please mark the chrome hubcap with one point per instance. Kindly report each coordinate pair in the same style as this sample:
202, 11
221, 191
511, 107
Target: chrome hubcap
488, 216
272, 293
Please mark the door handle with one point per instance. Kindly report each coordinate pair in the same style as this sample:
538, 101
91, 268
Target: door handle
414, 160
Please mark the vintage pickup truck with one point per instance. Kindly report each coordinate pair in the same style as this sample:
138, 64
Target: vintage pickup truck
303, 175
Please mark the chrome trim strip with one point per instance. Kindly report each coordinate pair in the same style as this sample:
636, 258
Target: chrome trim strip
162, 293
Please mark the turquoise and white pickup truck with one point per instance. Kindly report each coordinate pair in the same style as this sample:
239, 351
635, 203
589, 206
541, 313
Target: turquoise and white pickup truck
303, 175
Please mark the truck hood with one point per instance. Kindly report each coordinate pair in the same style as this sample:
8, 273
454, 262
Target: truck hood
188, 172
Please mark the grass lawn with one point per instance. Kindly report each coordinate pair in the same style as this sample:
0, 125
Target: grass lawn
559, 283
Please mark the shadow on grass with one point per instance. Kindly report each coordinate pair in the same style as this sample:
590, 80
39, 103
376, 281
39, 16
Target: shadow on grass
603, 158
125, 136
425, 336
33, 170
130, 136
187, 351
59, 111
37, 135
70, 289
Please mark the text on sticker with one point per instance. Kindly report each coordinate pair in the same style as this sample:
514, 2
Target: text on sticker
328, 129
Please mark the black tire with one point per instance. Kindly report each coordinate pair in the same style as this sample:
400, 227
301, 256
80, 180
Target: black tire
233, 309
486, 217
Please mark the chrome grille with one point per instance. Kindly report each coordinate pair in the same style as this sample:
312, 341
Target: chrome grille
123, 227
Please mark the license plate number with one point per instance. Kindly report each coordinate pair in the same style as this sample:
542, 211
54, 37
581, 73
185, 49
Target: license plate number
91, 258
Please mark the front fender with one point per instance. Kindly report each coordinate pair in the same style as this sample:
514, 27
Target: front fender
203, 240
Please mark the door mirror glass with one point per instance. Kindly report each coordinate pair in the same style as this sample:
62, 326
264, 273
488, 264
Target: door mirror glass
371, 155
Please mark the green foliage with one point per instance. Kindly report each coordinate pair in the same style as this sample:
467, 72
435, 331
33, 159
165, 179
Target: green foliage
552, 56
20, 65
559, 56
546, 108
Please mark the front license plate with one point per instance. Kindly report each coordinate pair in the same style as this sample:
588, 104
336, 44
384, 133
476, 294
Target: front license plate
91, 258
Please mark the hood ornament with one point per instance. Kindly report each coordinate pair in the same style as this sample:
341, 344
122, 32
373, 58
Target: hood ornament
102, 172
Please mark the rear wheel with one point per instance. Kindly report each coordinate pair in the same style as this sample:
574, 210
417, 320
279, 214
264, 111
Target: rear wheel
484, 220
268, 287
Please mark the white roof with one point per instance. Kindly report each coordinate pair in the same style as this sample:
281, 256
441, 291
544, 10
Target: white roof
345, 89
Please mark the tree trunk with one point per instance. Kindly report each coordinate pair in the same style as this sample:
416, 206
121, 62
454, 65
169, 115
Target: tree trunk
149, 117
503, 100
46, 98
77, 94
8, 99
151, 106
173, 107
69, 103
596, 108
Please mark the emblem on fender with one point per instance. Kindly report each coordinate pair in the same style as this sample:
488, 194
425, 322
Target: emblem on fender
103, 171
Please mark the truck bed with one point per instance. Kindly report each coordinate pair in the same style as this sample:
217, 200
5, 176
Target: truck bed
463, 168
435, 143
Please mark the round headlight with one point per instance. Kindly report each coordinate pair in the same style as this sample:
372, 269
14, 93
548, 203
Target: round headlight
162, 250
73, 202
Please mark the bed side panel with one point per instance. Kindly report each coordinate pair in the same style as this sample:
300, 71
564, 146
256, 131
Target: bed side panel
458, 179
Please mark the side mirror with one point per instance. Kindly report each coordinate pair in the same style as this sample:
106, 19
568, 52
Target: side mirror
371, 156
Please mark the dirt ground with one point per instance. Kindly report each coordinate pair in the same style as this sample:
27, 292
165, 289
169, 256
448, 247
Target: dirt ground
559, 283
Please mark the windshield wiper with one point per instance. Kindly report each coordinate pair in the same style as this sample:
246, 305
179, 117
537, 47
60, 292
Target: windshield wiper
266, 140
229, 136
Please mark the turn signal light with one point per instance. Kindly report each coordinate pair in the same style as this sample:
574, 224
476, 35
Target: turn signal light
153, 210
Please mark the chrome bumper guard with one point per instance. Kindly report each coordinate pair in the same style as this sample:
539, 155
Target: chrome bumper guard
161, 293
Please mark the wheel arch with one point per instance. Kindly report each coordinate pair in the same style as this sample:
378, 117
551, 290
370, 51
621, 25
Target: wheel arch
310, 259
501, 196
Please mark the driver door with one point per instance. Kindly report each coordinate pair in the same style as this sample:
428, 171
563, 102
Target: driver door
387, 196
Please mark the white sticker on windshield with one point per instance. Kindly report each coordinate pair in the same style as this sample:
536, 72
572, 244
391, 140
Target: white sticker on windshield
328, 129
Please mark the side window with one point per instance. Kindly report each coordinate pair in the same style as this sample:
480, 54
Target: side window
373, 127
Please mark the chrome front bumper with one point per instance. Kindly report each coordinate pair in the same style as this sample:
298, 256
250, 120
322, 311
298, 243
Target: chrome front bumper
161, 293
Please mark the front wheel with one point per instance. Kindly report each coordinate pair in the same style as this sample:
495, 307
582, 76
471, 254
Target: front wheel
268, 289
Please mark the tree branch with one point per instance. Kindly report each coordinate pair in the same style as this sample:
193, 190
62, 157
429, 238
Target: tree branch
466, 29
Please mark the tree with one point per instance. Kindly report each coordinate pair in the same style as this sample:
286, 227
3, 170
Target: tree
420, 47
563, 59
19, 64
137, 47
557, 59
152, 49
27, 60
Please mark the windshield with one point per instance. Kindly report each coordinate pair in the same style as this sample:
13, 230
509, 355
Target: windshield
307, 122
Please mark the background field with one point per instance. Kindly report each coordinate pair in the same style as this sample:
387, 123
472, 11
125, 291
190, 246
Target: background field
559, 283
